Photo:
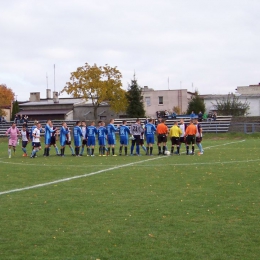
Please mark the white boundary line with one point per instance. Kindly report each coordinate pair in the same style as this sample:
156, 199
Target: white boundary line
97, 172
77, 177
97, 165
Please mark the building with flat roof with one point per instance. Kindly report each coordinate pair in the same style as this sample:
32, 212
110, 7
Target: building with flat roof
49, 107
161, 100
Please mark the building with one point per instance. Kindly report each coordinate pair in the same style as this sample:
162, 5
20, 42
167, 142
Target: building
250, 93
50, 107
161, 100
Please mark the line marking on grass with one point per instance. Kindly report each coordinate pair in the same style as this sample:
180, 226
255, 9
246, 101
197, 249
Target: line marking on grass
94, 173
206, 163
98, 165
76, 177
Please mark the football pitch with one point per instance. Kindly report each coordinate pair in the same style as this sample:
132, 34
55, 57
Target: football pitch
134, 207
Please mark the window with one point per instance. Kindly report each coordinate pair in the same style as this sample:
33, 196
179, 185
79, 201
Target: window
148, 101
160, 100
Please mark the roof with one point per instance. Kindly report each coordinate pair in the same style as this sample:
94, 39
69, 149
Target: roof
45, 112
62, 101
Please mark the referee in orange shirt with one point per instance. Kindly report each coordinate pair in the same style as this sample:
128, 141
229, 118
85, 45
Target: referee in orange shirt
162, 132
190, 134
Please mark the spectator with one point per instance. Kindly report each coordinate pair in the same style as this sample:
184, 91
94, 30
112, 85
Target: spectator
209, 116
158, 114
200, 115
214, 117
16, 119
192, 115
166, 113
205, 116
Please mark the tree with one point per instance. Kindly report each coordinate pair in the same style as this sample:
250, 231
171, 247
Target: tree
6, 97
135, 105
177, 110
196, 104
15, 109
99, 84
231, 105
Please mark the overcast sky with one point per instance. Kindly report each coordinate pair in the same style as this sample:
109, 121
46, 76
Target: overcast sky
212, 44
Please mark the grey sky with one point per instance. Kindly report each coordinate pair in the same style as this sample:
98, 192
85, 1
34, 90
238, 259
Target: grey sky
212, 44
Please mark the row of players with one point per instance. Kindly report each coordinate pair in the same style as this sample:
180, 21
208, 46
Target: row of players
86, 136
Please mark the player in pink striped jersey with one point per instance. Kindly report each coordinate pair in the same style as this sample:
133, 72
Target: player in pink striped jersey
13, 133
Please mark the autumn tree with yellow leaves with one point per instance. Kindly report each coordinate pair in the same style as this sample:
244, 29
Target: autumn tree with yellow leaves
99, 84
6, 97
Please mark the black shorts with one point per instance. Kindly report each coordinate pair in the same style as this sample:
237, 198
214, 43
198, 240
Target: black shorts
175, 140
162, 138
53, 140
35, 144
24, 143
68, 142
84, 141
198, 139
182, 140
190, 139
136, 141
141, 142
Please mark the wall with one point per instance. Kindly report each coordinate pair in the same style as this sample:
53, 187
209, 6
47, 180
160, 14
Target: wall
86, 113
171, 98
254, 102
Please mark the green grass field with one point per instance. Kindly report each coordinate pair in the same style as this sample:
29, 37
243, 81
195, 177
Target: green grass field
168, 207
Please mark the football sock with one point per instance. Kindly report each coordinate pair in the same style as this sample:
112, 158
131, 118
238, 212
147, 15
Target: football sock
24, 150
82, 150
192, 148
172, 149
138, 149
72, 150
120, 149
9, 152
92, 151
47, 151
125, 150
104, 149
187, 149
113, 151
144, 148
159, 149
151, 150
57, 150
178, 149
132, 149
88, 151
163, 149
108, 150
147, 150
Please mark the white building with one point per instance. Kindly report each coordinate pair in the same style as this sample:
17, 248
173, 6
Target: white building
161, 100
250, 93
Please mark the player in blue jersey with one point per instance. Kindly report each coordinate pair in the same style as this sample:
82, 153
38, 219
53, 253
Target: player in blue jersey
150, 129
77, 133
63, 137
84, 138
124, 131
111, 137
47, 137
102, 134
91, 135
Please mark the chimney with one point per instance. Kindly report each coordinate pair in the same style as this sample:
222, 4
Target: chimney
55, 97
48, 93
35, 96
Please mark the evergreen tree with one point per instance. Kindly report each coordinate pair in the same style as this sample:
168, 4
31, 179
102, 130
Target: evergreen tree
135, 107
196, 104
15, 109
